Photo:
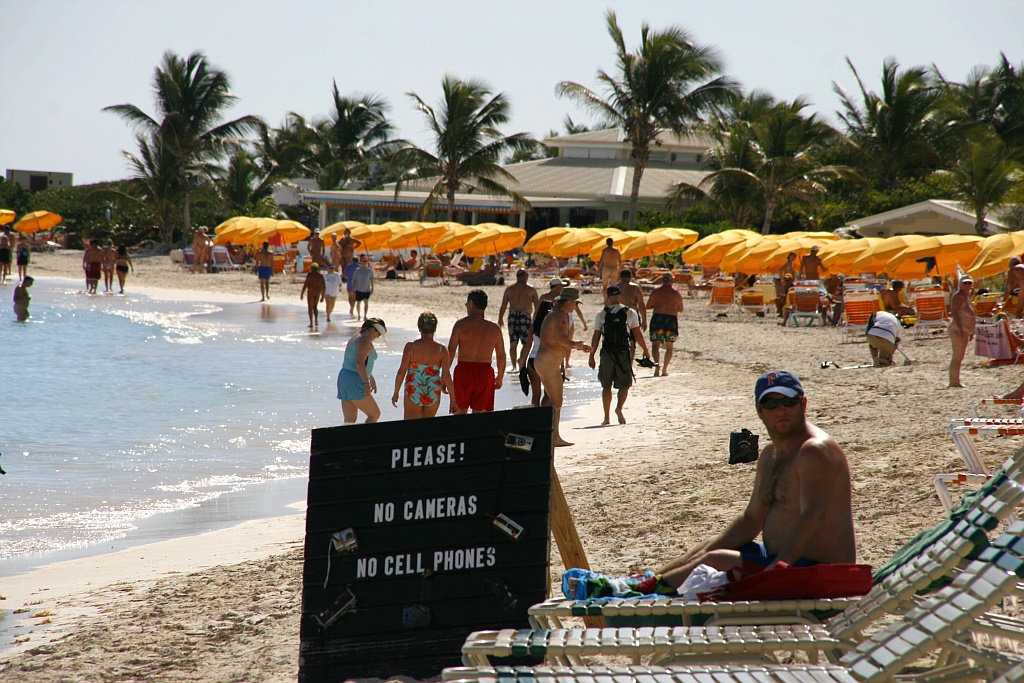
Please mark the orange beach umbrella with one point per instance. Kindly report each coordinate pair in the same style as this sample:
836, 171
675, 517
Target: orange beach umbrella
996, 252
456, 237
7, 216
545, 239
37, 221
494, 241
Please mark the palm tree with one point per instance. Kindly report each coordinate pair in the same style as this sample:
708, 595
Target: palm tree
895, 130
244, 189
191, 98
984, 174
343, 147
765, 156
670, 83
990, 100
468, 147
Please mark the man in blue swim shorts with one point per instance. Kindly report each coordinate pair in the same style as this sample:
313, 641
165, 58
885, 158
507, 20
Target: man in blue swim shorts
264, 269
801, 502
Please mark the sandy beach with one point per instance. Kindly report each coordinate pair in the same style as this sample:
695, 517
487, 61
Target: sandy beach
225, 605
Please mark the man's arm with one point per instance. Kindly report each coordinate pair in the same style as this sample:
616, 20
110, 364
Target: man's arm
499, 355
501, 311
593, 344
641, 308
453, 342
741, 530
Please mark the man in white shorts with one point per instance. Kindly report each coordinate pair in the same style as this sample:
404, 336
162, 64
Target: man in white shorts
332, 281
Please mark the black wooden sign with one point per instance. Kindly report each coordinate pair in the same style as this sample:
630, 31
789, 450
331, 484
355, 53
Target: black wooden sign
418, 533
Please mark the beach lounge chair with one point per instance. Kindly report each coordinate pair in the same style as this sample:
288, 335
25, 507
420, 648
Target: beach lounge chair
684, 279
807, 306
930, 308
188, 258
723, 297
1017, 403
857, 308
752, 301
952, 610
222, 259
433, 271
987, 306
977, 513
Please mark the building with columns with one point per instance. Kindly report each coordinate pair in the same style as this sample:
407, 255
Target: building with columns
588, 182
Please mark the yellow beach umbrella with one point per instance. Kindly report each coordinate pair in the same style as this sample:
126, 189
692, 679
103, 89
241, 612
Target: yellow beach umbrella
37, 221
339, 228
543, 240
711, 255
494, 241
246, 229
372, 236
875, 258
579, 241
689, 236
456, 237
839, 256
741, 250
653, 243
7, 216
995, 254
619, 240
415, 234
948, 251
283, 232
228, 231
801, 246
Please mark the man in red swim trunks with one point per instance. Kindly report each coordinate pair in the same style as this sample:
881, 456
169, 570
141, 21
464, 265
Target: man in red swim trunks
476, 339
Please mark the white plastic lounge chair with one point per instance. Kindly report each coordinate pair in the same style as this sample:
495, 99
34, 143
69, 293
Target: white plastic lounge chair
935, 623
961, 429
843, 632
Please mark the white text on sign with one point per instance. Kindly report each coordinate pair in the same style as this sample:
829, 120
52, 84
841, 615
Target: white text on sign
424, 456
412, 563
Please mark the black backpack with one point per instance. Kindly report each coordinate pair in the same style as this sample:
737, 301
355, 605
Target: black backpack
616, 334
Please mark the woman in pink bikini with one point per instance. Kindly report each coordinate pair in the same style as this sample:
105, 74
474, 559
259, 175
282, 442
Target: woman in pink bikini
424, 372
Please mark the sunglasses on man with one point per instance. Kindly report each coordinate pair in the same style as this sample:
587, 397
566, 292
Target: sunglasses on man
772, 403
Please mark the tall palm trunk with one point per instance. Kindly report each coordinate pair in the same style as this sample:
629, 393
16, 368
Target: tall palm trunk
186, 206
769, 209
640, 157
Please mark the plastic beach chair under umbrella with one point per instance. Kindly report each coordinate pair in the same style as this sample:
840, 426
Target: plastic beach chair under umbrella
37, 221
495, 241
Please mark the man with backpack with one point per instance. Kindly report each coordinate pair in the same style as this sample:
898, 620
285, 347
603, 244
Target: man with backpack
618, 325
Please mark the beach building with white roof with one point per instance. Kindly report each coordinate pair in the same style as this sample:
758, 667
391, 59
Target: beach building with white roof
930, 217
589, 181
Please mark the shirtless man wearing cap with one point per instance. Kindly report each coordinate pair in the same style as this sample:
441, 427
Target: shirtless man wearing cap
475, 340
666, 304
555, 341
811, 266
801, 502
961, 327
521, 299
554, 289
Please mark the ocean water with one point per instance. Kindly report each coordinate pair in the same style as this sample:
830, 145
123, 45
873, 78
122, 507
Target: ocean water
125, 419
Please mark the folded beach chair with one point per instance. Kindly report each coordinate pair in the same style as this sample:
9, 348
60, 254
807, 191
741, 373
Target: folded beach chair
806, 306
961, 429
934, 623
433, 271
857, 308
723, 297
930, 308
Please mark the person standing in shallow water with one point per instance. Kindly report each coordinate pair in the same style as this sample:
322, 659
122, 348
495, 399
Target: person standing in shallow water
313, 289
122, 264
22, 299
356, 384
424, 373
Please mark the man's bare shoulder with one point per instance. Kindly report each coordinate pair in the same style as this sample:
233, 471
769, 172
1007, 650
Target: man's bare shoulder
820, 448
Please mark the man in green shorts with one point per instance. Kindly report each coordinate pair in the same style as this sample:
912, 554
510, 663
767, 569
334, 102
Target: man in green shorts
665, 304
617, 324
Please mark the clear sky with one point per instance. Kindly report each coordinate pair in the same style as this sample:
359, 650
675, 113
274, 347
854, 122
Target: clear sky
62, 61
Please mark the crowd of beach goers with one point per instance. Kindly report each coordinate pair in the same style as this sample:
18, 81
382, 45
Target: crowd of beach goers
640, 492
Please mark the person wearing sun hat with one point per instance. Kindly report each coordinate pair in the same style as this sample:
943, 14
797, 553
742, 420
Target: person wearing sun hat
356, 384
801, 500
964, 318
555, 341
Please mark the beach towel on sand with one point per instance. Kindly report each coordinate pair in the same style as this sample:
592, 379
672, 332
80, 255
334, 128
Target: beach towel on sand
797, 583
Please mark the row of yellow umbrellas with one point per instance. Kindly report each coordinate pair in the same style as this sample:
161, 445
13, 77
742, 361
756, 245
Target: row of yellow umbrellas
475, 240
256, 231
633, 244
31, 222
903, 256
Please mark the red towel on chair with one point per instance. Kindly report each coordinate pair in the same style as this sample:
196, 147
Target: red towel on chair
796, 583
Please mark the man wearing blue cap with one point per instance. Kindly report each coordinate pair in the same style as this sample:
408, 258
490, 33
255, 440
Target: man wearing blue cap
800, 504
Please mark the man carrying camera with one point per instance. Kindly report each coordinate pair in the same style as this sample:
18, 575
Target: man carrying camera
618, 325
